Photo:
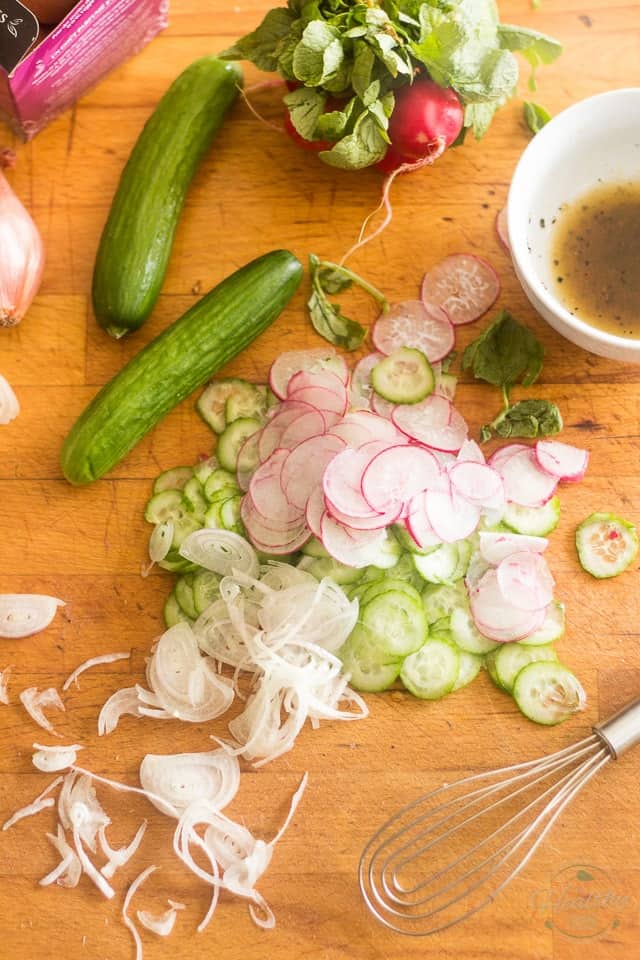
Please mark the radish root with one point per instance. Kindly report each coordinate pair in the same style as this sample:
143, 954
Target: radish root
257, 87
438, 147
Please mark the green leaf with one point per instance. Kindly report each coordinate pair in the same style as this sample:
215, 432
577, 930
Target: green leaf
362, 71
583, 875
319, 54
333, 281
535, 116
333, 125
478, 117
327, 318
365, 146
260, 47
306, 105
535, 47
505, 353
526, 418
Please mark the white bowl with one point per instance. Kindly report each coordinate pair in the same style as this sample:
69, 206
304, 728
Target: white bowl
595, 140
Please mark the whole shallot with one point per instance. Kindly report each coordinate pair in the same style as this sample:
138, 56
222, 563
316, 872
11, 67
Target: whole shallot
21, 257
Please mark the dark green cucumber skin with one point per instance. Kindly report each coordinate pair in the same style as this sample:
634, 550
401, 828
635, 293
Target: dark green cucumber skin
178, 361
138, 236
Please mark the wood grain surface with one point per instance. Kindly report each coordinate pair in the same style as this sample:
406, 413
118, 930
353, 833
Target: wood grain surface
256, 192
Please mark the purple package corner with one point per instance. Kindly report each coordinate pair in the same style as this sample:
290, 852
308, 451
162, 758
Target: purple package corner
92, 39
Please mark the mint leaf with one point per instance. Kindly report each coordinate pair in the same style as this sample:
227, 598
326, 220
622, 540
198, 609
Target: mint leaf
306, 105
365, 146
505, 353
527, 418
535, 116
260, 47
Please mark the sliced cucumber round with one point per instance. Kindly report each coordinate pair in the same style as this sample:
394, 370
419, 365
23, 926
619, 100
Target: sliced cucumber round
552, 628
465, 633
532, 521
509, 660
548, 693
431, 671
469, 667
439, 600
606, 545
365, 664
398, 620
173, 479
405, 376
173, 612
167, 505
183, 591
440, 566
232, 438
205, 585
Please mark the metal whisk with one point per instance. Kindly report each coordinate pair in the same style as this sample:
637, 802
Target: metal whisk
448, 854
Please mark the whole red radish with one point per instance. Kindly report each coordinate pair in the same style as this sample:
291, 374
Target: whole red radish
423, 112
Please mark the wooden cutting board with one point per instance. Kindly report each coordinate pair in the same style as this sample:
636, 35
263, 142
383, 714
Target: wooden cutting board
256, 192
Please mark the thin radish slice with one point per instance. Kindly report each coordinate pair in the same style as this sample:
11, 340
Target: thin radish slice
397, 474
267, 494
315, 511
321, 378
269, 436
268, 540
342, 480
502, 454
372, 521
501, 229
524, 481
303, 469
476, 482
495, 546
525, 580
361, 426
311, 424
463, 285
354, 548
497, 619
381, 407
470, 452
291, 362
434, 422
450, 516
418, 526
248, 460
561, 460
360, 388
414, 323
321, 398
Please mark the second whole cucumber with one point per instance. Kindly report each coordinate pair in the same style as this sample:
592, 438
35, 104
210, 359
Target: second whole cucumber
138, 236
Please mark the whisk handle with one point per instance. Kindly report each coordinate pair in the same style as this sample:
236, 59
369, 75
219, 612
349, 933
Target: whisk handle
621, 731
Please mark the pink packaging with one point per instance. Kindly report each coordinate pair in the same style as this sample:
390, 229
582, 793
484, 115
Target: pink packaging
92, 39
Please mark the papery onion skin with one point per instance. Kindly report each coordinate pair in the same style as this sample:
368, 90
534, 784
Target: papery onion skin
21, 257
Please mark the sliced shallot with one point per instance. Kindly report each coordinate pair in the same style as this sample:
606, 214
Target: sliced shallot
128, 922
41, 802
23, 614
182, 778
35, 701
52, 759
93, 662
4, 683
9, 406
124, 701
221, 551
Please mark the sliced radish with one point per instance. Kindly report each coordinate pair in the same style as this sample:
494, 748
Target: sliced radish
524, 481
503, 453
495, 546
501, 229
268, 497
525, 580
397, 474
360, 388
268, 539
311, 424
434, 422
418, 526
477, 482
495, 617
450, 516
470, 451
381, 407
323, 399
291, 362
354, 548
561, 460
342, 481
269, 436
372, 521
413, 323
315, 511
463, 285
303, 469
358, 427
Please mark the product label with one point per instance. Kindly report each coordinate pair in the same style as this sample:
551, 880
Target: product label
18, 30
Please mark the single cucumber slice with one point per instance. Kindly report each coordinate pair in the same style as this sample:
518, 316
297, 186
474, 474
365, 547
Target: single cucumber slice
465, 550
405, 376
232, 438
247, 400
230, 515
439, 600
465, 633
183, 591
398, 620
206, 589
365, 664
440, 566
469, 667
548, 693
388, 553
509, 660
606, 545
173, 479
407, 542
173, 612
321, 567
195, 499
167, 505
379, 587
175, 563
552, 628
314, 548
212, 402
220, 479
532, 521
204, 468
182, 527
431, 671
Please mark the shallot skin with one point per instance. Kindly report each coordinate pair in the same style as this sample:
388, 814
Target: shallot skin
21, 257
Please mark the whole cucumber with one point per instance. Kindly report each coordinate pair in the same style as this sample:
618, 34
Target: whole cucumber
138, 236
180, 359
